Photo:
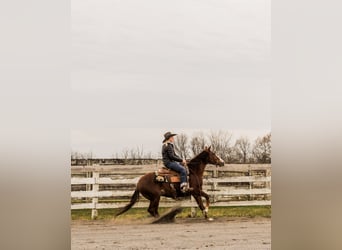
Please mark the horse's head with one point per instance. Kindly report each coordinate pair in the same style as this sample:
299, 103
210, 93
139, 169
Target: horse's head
213, 158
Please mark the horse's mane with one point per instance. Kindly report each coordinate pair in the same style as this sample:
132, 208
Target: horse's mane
197, 159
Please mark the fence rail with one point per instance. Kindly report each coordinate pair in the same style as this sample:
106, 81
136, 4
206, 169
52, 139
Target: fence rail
232, 185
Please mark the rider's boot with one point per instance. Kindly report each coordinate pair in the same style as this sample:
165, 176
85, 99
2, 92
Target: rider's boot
185, 187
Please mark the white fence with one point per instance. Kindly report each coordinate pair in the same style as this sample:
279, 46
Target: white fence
232, 185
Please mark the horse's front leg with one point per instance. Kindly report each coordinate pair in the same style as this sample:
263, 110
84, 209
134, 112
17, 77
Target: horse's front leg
206, 210
199, 201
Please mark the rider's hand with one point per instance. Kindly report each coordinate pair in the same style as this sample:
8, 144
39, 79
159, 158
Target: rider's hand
184, 162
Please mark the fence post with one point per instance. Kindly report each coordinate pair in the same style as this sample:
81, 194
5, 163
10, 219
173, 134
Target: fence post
215, 173
268, 184
250, 197
214, 188
96, 176
88, 175
214, 184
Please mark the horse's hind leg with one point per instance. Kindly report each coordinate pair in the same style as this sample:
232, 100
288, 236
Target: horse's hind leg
153, 208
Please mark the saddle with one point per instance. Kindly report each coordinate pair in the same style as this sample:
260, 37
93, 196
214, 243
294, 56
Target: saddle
167, 175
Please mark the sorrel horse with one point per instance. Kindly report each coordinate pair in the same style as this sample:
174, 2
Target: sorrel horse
152, 190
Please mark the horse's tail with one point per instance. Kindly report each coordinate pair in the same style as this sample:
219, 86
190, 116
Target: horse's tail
134, 199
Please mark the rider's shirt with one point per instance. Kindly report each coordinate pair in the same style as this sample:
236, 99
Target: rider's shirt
168, 153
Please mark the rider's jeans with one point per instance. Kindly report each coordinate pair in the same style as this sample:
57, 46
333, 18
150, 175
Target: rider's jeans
178, 168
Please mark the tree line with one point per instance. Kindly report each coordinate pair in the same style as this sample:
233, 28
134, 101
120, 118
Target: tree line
135, 153
242, 150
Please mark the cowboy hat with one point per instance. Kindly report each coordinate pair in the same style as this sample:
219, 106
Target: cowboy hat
167, 136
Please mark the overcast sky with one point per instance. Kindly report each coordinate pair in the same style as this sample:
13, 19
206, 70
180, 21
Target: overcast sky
141, 68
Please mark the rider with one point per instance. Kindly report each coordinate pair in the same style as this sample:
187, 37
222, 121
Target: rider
170, 160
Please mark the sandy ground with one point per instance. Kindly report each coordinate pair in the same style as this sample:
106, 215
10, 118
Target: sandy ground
192, 233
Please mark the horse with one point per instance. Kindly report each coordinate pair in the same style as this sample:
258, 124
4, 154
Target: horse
153, 190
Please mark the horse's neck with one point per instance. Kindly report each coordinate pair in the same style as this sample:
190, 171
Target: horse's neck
197, 165
199, 169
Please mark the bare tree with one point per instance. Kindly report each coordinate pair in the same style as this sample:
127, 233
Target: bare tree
148, 155
125, 153
197, 143
115, 155
181, 146
220, 144
137, 153
243, 149
75, 155
262, 149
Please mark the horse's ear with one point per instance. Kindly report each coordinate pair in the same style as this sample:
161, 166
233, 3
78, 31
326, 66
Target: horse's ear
205, 148
209, 148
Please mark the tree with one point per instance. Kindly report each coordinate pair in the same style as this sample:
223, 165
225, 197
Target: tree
148, 155
242, 149
220, 144
262, 149
137, 153
75, 155
197, 143
125, 153
181, 146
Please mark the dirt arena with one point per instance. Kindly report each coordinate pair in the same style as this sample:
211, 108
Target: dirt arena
192, 233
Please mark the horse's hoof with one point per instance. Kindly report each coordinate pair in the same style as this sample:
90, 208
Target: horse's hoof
210, 219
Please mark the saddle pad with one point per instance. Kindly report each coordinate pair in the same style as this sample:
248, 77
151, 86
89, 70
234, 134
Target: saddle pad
167, 175
174, 179
165, 171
